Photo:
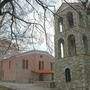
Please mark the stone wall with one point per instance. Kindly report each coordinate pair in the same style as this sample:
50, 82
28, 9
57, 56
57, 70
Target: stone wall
79, 64
78, 69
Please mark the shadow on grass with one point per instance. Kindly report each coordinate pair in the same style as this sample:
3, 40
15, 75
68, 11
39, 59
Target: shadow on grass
5, 88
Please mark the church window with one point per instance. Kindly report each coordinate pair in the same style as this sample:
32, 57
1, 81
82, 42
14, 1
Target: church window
41, 65
81, 18
85, 42
61, 24
51, 64
61, 48
9, 64
71, 45
70, 19
67, 75
25, 64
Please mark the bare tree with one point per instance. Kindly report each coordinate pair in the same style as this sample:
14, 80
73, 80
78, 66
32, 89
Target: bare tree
28, 20
25, 21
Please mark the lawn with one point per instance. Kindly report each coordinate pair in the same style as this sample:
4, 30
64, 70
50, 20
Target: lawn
4, 88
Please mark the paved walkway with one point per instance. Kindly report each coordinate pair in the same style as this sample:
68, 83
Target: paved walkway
18, 86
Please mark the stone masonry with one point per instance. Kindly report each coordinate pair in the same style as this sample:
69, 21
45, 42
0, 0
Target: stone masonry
75, 39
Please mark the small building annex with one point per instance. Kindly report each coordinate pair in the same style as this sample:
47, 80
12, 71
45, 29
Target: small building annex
29, 66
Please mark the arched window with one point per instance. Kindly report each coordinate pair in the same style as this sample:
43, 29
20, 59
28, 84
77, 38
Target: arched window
9, 64
23, 64
81, 18
67, 75
60, 24
85, 42
26, 64
71, 45
61, 48
41, 65
70, 19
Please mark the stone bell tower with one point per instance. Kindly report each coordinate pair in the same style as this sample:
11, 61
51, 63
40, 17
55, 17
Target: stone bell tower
72, 47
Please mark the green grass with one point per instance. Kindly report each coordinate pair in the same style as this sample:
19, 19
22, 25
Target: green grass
4, 88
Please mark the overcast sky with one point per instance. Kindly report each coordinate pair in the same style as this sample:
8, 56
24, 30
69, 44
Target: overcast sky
49, 27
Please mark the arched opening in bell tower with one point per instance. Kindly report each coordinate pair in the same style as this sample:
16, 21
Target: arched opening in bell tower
85, 42
61, 48
71, 45
61, 24
70, 19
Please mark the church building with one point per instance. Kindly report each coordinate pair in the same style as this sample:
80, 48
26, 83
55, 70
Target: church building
72, 47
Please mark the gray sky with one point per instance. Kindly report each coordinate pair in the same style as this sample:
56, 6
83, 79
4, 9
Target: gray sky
49, 27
